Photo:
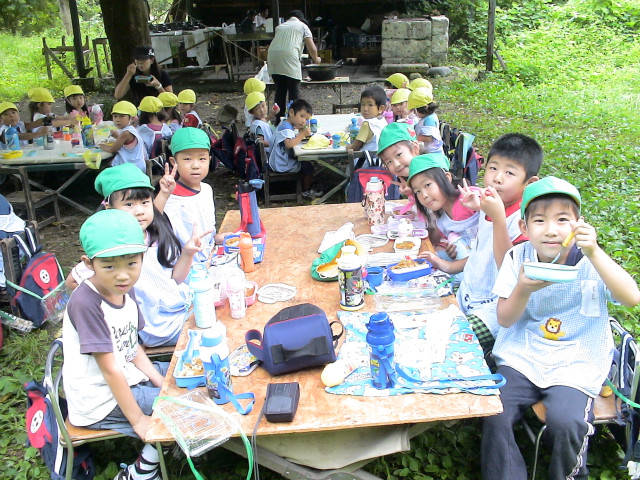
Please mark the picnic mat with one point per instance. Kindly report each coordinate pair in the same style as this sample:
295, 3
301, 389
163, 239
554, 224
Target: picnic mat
437, 349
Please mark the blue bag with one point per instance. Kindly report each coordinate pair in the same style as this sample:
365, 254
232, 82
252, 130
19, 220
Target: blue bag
295, 338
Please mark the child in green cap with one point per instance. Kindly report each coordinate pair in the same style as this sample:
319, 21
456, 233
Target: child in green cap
161, 293
109, 381
555, 341
452, 226
190, 206
396, 148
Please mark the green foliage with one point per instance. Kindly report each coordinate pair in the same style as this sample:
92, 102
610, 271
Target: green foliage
27, 17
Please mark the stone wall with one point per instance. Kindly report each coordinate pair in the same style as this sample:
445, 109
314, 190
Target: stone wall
415, 41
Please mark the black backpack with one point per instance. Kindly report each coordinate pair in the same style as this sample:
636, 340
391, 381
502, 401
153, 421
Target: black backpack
465, 161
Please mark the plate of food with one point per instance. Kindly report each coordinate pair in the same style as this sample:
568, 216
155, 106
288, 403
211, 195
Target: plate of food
407, 245
371, 240
408, 269
551, 272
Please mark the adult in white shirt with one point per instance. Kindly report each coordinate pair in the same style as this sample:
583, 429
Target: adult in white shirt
262, 16
284, 55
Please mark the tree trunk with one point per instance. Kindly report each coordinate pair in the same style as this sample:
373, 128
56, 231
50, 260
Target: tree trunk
126, 26
65, 16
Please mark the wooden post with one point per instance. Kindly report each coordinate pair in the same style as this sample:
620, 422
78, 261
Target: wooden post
491, 32
77, 40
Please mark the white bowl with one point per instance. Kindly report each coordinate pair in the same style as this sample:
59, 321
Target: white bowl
550, 272
415, 241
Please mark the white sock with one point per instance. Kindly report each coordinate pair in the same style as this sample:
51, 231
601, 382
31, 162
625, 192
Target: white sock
146, 466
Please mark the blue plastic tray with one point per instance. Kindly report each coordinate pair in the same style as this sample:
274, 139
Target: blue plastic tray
425, 269
186, 382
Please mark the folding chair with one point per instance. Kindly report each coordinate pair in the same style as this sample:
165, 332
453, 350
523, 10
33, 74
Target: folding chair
606, 410
270, 177
72, 436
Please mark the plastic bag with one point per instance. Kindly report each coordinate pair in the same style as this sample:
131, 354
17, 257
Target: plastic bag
263, 74
229, 29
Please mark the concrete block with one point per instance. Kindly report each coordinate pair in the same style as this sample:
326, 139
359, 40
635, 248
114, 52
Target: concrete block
439, 59
406, 68
439, 25
440, 44
405, 48
416, 29
440, 72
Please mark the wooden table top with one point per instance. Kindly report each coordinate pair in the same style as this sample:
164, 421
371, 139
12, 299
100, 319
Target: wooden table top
293, 237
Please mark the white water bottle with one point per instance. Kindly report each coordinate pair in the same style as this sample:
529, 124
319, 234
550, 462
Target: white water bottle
374, 201
204, 308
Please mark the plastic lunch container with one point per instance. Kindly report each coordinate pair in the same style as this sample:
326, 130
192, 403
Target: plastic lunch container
551, 272
183, 381
405, 274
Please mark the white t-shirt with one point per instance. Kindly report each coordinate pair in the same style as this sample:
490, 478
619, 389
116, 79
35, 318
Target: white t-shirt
91, 325
286, 48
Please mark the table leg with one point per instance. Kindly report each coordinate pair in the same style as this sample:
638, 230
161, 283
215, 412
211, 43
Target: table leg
327, 195
63, 187
163, 466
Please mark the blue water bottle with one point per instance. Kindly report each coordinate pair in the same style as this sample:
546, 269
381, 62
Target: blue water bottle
204, 307
11, 139
354, 129
380, 339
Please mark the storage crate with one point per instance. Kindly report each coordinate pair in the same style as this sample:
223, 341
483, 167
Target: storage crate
262, 53
326, 56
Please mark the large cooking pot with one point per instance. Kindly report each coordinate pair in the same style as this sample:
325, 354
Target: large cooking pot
323, 71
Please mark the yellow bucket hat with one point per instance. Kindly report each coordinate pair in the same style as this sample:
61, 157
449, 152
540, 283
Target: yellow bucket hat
150, 104
400, 95
253, 85
168, 99
40, 94
420, 83
253, 99
317, 141
73, 90
398, 80
4, 106
125, 108
187, 96
420, 97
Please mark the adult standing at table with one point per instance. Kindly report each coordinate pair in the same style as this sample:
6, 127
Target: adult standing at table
144, 65
284, 55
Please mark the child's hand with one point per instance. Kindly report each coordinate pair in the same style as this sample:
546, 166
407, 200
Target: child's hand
141, 426
168, 181
586, 237
275, 108
434, 260
305, 132
194, 245
451, 250
529, 284
491, 203
470, 197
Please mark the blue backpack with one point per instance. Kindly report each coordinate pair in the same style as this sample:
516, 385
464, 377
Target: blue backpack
43, 434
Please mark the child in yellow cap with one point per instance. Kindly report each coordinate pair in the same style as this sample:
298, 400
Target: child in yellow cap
169, 107
75, 102
428, 127
151, 126
187, 107
252, 85
128, 145
399, 107
10, 117
40, 104
261, 127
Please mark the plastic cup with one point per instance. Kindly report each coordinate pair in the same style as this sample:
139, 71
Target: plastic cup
374, 276
336, 141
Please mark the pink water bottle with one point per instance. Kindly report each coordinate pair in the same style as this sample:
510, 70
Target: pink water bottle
374, 201
388, 115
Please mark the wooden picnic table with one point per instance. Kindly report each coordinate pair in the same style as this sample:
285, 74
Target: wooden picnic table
293, 237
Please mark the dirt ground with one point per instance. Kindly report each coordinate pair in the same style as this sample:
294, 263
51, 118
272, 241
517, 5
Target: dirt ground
62, 239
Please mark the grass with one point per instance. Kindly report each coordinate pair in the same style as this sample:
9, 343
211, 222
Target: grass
572, 85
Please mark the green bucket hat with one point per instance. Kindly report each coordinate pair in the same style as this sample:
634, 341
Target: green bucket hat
548, 186
189, 137
427, 161
120, 177
111, 233
393, 133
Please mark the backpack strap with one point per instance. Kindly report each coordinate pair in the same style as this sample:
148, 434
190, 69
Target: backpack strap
23, 246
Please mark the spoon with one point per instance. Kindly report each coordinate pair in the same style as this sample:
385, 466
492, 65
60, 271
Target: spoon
565, 244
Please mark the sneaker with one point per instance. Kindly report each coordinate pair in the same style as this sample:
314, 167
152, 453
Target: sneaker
311, 193
123, 474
